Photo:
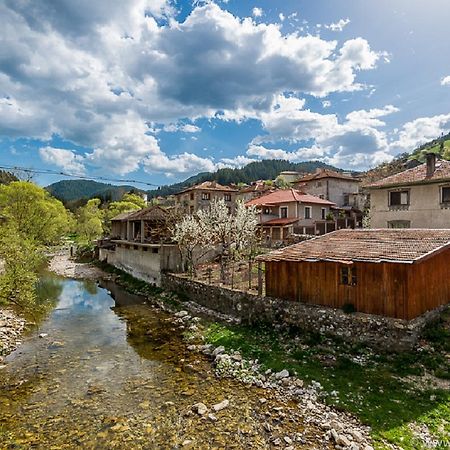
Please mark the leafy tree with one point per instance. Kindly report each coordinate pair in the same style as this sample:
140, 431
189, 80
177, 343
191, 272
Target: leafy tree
130, 202
21, 258
33, 213
89, 222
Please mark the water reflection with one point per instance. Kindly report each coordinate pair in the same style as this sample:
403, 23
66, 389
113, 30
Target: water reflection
107, 376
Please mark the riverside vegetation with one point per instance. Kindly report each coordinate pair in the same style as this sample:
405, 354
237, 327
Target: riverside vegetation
403, 397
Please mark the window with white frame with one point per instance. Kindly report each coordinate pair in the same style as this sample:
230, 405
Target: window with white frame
206, 196
308, 212
283, 212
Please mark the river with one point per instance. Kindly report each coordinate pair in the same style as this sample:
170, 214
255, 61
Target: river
104, 372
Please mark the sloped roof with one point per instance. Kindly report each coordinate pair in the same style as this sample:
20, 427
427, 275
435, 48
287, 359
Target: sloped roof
416, 175
369, 245
122, 216
326, 173
210, 186
286, 196
151, 213
256, 186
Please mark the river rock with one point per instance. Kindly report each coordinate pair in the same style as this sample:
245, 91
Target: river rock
200, 408
283, 374
222, 405
218, 350
181, 314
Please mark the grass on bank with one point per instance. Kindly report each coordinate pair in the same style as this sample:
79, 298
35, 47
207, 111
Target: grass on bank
373, 386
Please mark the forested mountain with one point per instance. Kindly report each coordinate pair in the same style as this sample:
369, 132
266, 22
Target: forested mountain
267, 169
75, 190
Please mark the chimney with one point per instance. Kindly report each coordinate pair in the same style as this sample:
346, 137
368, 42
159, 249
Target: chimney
431, 164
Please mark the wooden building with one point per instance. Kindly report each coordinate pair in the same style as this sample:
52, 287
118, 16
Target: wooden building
400, 273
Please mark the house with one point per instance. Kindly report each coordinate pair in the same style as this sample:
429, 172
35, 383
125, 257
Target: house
140, 244
287, 211
415, 198
330, 185
254, 190
396, 273
200, 196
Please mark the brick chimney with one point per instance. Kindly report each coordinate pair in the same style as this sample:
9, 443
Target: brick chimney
431, 164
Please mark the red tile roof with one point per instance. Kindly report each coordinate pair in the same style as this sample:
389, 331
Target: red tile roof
287, 196
369, 245
416, 175
326, 173
209, 186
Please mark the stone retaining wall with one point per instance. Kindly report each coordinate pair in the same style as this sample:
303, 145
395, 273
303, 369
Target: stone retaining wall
377, 331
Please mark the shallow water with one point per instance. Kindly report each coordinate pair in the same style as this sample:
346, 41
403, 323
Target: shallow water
117, 375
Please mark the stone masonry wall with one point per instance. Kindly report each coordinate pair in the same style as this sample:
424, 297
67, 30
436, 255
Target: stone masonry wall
376, 331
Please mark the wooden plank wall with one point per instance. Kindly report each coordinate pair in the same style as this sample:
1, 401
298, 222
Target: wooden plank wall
381, 288
429, 284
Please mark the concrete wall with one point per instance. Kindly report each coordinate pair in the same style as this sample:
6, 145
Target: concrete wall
424, 211
387, 333
331, 189
144, 262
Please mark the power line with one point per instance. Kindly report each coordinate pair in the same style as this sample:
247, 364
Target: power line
81, 177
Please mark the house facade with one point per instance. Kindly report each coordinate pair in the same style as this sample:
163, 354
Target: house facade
416, 198
286, 211
396, 273
200, 196
330, 185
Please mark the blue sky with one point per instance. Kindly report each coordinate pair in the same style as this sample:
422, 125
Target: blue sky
158, 90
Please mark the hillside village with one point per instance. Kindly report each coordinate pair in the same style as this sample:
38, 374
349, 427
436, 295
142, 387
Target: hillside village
224, 225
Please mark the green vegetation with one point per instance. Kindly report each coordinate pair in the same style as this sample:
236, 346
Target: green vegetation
440, 146
89, 223
129, 202
32, 220
375, 387
70, 191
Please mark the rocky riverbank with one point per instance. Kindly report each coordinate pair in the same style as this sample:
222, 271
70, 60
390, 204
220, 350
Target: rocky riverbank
11, 328
339, 429
62, 264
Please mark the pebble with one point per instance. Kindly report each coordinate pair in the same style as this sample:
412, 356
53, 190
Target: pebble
200, 408
283, 374
222, 405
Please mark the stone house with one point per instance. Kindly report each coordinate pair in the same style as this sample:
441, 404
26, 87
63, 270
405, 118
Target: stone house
415, 198
396, 273
287, 211
254, 190
330, 185
201, 195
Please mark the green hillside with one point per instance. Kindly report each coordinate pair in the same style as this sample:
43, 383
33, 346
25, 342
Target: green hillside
75, 190
440, 146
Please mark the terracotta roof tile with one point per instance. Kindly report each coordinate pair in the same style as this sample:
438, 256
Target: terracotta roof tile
286, 196
326, 173
371, 245
209, 185
416, 175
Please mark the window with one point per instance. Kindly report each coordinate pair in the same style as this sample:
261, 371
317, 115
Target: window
266, 211
322, 196
227, 197
445, 194
399, 224
308, 211
206, 196
398, 198
318, 184
283, 212
229, 209
324, 213
191, 196
348, 276
191, 210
